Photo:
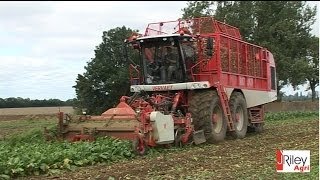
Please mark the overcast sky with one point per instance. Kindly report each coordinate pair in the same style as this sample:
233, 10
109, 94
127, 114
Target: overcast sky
44, 45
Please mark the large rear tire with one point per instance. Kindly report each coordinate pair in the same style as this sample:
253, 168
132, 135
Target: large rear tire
239, 112
207, 114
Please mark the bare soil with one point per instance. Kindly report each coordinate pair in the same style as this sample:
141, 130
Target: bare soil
11, 125
35, 110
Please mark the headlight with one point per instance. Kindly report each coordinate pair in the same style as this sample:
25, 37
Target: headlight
195, 86
199, 86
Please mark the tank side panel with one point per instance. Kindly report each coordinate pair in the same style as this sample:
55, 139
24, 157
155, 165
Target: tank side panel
254, 97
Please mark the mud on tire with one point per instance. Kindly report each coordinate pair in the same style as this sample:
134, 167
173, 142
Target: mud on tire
204, 105
239, 113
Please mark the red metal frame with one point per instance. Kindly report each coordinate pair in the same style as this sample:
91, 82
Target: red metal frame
185, 122
145, 130
234, 76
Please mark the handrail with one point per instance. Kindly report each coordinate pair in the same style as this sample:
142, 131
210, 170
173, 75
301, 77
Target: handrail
132, 67
194, 67
197, 25
161, 32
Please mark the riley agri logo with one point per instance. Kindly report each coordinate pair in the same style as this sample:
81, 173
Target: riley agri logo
293, 160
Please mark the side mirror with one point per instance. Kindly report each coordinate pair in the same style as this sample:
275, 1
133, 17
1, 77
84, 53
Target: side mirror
209, 46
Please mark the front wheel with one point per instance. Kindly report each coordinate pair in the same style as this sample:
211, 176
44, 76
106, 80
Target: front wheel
207, 114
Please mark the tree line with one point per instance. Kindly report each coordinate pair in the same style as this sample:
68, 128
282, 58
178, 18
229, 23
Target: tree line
27, 102
283, 27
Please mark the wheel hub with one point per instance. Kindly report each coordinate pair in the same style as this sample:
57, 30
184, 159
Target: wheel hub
239, 118
217, 119
214, 118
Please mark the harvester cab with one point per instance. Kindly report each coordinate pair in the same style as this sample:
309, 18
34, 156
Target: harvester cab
165, 59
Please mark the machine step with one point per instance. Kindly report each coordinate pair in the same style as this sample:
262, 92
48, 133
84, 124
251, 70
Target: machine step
225, 106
